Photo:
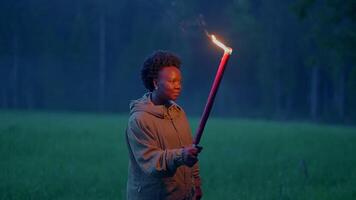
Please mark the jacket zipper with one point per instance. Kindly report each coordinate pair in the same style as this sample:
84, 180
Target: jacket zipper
181, 144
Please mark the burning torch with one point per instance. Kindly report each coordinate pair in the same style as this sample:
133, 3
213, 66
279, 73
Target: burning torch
214, 88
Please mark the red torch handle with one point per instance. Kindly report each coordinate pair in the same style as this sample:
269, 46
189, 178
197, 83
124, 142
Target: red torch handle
211, 98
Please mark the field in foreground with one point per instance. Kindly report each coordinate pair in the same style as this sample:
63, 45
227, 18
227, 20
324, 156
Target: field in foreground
84, 156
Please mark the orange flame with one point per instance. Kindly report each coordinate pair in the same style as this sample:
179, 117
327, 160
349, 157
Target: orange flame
221, 45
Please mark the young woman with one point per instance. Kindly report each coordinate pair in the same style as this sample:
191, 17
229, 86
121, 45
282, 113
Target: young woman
162, 160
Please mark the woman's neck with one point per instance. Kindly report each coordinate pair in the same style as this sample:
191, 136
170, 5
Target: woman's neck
155, 98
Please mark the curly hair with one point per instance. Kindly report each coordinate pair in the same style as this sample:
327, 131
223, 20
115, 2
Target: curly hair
154, 63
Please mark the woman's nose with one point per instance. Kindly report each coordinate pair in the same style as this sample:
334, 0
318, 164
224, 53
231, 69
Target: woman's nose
177, 85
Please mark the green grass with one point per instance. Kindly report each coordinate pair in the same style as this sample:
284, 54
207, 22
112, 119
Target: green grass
84, 156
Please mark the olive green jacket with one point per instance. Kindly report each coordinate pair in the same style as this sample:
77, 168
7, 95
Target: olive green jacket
155, 136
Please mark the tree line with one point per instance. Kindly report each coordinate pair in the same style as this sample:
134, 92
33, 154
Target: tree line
291, 59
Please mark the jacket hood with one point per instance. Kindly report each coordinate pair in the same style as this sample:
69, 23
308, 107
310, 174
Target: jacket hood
144, 104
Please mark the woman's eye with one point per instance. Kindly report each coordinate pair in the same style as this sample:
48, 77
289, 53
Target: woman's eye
175, 82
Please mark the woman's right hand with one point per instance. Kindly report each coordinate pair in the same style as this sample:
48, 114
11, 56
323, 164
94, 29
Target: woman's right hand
190, 155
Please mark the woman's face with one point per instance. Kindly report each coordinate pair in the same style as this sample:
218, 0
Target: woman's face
168, 83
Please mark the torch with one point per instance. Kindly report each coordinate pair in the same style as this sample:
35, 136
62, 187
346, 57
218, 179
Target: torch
214, 88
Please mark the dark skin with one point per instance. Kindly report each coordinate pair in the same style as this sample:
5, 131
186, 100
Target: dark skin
168, 87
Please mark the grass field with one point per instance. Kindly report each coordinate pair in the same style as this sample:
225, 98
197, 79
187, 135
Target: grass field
84, 156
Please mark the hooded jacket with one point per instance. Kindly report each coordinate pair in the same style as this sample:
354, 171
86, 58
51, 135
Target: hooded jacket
155, 136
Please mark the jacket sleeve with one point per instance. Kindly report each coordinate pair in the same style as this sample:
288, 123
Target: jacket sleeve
149, 156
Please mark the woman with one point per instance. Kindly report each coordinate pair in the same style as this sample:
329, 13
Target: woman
162, 160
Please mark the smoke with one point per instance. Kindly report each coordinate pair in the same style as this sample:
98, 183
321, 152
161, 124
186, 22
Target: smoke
193, 25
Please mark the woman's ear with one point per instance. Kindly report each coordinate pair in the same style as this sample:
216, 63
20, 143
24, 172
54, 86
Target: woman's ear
155, 84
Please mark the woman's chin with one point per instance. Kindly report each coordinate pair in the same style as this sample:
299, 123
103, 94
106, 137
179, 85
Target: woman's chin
174, 97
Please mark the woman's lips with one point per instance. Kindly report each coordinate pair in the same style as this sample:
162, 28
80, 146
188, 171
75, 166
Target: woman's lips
176, 93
